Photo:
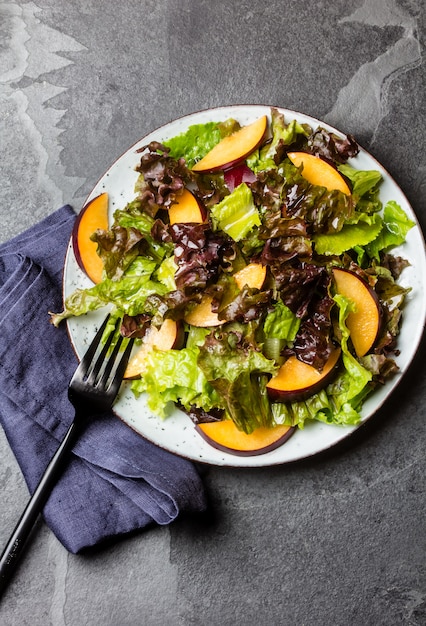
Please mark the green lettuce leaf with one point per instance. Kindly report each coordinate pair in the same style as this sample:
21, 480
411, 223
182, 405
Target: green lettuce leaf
166, 273
236, 214
317, 407
239, 377
199, 139
132, 217
196, 335
281, 323
351, 236
173, 376
128, 294
283, 135
363, 181
396, 225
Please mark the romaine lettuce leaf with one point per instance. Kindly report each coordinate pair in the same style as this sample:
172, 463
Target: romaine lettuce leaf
281, 323
166, 273
351, 236
236, 214
363, 181
396, 225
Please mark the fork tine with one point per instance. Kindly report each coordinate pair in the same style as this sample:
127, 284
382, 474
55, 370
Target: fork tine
93, 369
110, 363
121, 368
91, 351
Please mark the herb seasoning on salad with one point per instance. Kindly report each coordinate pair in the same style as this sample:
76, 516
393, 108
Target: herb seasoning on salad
254, 266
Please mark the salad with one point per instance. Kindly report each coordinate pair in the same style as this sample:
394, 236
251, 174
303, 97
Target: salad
283, 292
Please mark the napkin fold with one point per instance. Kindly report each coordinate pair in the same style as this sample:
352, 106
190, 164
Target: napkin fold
116, 481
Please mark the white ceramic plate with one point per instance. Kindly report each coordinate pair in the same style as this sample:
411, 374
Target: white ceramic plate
177, 433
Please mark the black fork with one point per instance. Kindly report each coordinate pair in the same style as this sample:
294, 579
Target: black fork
92, 391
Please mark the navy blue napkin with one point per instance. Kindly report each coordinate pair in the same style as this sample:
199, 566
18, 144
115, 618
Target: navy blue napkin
116, 481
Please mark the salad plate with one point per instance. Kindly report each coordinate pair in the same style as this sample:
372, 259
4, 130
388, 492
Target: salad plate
177, 432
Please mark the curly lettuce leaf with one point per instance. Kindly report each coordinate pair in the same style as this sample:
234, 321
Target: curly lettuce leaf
326, 211
243, 305
128, 294
162, 178
200, 254
239, 376
331, 146
128, 237
313, 344
172, 376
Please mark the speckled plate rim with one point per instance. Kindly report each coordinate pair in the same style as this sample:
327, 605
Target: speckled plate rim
177, 434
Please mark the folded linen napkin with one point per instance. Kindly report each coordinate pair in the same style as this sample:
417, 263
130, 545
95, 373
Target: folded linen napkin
116, 481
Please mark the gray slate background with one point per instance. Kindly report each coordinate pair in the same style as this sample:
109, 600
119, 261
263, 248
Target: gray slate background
338, 540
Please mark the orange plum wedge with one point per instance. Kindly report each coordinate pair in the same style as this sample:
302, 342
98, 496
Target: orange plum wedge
187, 210
234, 148
167, 337
364, 323
226, 437
202, 315
296, 381
253, 275
93, 216
318, 172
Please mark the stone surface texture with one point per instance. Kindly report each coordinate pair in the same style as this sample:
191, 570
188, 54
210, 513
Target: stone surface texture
336, 540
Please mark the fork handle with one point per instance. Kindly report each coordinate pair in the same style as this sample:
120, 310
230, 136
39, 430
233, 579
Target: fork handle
16, 544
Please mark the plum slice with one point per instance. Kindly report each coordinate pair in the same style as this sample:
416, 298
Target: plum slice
187, 210
318, 172
365, 322
93, 216
167, 337
296, 381
225, 436
253, 275
233, 148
